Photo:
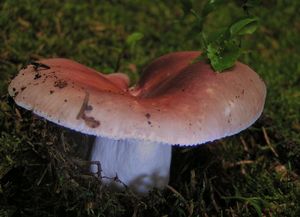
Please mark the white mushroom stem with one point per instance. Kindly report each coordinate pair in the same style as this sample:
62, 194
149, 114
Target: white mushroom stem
140, 165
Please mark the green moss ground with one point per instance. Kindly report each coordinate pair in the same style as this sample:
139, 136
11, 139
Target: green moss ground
255, 173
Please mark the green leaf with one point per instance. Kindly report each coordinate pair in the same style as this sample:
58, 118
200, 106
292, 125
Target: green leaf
223, 56
222, 45
133, 38
245, 26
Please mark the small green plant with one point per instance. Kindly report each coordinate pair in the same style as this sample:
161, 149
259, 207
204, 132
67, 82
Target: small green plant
129, 45
223, 47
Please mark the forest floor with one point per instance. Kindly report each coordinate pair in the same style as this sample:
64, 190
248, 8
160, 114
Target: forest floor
254, 173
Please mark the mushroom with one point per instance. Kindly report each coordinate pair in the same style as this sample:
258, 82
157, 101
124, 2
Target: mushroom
176, 102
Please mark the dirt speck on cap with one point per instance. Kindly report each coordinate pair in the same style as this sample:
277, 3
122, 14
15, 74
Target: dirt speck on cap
60, 83
37, 76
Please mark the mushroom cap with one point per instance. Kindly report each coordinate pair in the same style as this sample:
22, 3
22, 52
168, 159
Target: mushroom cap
176, 101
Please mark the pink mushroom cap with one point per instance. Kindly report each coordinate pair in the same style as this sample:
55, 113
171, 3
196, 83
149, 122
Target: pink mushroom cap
176, 100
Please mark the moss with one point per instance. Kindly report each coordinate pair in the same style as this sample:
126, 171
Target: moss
255, 173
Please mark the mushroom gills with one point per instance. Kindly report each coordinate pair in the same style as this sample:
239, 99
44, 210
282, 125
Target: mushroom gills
141, 165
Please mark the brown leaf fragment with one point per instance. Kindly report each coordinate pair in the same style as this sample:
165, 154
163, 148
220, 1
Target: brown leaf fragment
89, 121
83, 106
